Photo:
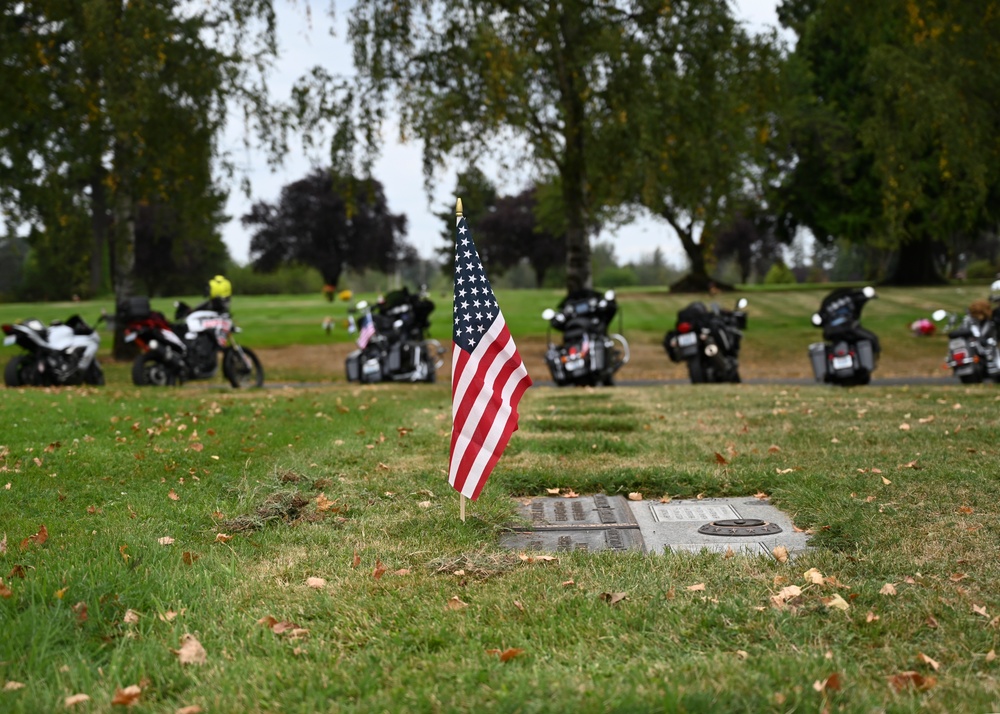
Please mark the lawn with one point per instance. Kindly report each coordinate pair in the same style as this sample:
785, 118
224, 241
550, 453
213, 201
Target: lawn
307, 540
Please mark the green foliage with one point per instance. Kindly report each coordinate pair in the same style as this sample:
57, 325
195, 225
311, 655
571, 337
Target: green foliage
779, 274
616, 277
982, 270
287, 280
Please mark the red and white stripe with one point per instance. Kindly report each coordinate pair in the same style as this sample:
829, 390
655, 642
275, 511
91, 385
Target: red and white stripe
486, 387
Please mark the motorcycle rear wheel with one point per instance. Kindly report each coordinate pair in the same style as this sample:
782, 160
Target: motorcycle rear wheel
696, 371
150, 370
12, 376
242, 372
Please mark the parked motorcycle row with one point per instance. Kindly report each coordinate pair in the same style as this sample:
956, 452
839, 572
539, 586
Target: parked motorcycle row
393, 342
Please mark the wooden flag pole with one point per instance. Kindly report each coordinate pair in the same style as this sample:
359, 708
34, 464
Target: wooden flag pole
461, 496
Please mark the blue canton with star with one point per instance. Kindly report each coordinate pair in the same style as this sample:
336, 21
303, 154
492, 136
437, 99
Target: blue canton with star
475, 305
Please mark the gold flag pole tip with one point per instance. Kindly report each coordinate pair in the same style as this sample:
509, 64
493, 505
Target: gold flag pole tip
458, 207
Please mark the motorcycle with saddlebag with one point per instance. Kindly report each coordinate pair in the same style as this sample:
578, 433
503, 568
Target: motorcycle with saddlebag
188, 348
588, 355
850, 353
64, 353
973, 354
392, 340
708, 339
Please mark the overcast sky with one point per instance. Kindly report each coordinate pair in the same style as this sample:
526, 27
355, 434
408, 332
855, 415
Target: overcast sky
307, 41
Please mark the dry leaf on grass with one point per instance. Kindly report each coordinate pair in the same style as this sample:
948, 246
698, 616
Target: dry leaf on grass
813, 576
928, 661
613, 598
786, 594
222, 538
13, 686
4, 590
836, 602
697, 587
871, 617
830, 684
905, 680
128, 696
191, 651
38, 538
317, 583
74, 699
131, 617
193, 709
165, 540
720, 459
172, 495
780, 553
455, 603
508, 654
536, 558
379, 570
635, 496
887, 589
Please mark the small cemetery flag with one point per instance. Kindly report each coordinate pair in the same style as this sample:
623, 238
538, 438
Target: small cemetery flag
366, 331
488, 377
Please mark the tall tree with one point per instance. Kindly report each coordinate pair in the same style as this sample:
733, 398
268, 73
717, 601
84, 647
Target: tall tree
107, 104
708, 113
511, 232
562, 80
894, 136
330, 223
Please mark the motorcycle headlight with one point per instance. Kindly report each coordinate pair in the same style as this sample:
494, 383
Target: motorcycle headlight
154, 344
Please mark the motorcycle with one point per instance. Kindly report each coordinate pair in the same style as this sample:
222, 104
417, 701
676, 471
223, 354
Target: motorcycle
173, 353
708, 339
973, 355
850, 353
588, 355
64, 353
392, 341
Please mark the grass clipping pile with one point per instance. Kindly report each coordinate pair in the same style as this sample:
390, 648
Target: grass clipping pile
288, 507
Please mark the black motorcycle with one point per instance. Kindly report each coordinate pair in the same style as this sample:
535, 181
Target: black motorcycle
187, 349
63, 353
588, 355
392, 341
708, 339
973, 354
850, 353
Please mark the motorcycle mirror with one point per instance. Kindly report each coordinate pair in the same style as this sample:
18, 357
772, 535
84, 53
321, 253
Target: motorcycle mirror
816, 319
609, 295
362, 305
548, 313
868, 291
741, 303
939, 315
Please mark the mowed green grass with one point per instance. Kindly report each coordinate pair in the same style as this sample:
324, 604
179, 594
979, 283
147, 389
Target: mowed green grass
778, 333
898, 487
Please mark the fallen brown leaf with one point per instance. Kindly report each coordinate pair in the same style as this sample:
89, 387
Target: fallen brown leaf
510, 653
836, 602
379, 570
871, 617
172, 495
191, 651
193, 709
165, 540
356, 560
780, 553
4, 590
571, 494
904, 680
928, 661
401, 571
12, 686
697, 587
222, 538
128, 696
189, 557
720, 459
317, 583
613, 598
635, 496
131, 617
455, 603
831, 683
74, 699
536, 558
887, 589
38, 538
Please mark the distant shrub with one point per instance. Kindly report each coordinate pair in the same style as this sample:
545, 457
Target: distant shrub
980, 270
615, 277
779, 274
288, 280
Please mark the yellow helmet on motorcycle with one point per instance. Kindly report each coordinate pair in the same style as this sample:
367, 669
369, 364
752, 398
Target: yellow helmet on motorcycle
219, 287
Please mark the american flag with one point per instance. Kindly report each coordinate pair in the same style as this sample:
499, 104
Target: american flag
367, 331
488, 377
